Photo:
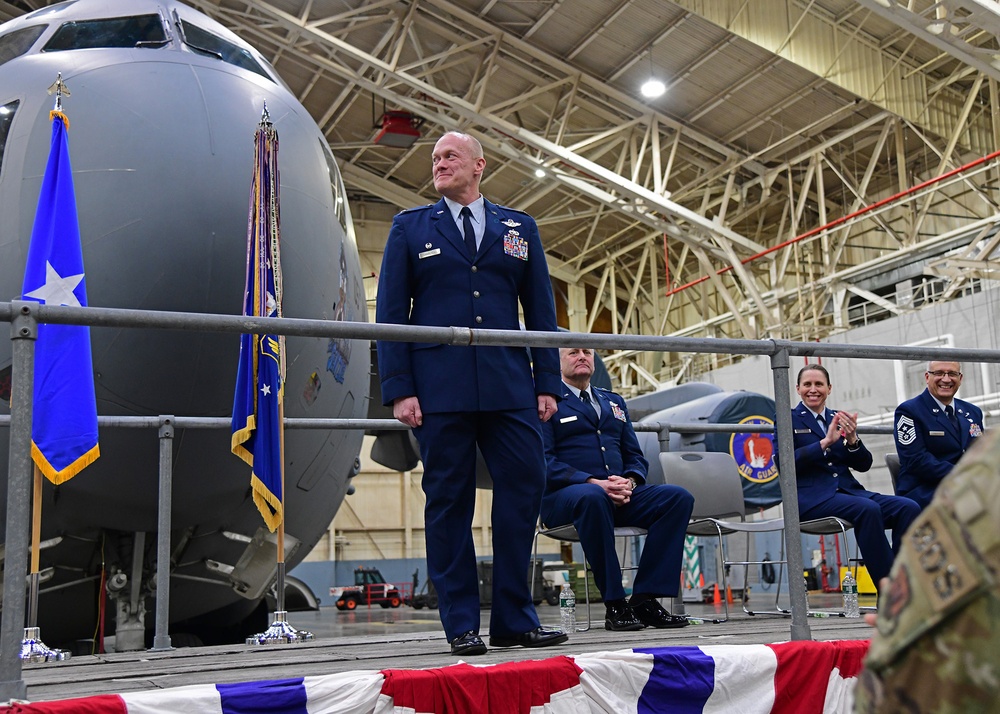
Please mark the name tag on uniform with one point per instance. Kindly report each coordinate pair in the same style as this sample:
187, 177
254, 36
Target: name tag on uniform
803, 431
429, 253
567, 419
935, 433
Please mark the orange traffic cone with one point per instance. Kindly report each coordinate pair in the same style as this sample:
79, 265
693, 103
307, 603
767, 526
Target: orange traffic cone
729, 595
716, 599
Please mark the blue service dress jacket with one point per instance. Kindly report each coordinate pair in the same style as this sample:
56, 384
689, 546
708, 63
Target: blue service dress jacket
820, 475
595, 448
579, 446
429, 278
929, 445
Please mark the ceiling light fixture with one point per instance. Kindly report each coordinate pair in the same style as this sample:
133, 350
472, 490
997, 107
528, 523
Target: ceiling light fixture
653, 87
398, 129
540, 173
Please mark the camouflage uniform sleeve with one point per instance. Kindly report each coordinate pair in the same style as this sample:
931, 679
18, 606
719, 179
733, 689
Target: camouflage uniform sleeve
938, 643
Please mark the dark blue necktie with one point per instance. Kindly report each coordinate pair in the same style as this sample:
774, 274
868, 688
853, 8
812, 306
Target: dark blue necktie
950, 411
585, 398
470, 232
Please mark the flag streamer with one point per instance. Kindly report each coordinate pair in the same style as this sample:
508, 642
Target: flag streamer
260, 375
64, 417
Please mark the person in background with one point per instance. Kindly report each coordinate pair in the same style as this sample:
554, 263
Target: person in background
596, 479
937, 648
466, 262
827, 447
932, 431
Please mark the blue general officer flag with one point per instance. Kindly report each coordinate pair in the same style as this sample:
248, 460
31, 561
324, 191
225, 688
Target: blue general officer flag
64, 416
260, 375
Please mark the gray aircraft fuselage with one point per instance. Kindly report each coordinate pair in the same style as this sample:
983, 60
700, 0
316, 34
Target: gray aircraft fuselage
161, 145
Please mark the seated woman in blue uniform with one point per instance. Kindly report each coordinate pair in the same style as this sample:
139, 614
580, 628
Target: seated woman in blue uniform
827, 447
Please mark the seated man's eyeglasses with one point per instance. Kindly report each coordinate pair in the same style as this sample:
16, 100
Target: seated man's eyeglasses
939, 373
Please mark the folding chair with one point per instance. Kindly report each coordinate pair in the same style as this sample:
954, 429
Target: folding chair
830, 525
714, 481
892, 463
569, 534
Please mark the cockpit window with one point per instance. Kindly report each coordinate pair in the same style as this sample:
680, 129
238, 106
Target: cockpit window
336, 185
7, 112
138, 31
204, 42
16, 43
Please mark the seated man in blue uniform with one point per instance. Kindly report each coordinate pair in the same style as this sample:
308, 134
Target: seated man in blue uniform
596, 478
932, 431
466, 262
827, 447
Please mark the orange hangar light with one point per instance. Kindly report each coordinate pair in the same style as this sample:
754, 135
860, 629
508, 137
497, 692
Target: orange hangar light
398, 129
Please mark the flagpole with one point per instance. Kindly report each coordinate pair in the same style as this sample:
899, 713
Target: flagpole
36, 539
55, 246
263, 296
32, 647
280, 584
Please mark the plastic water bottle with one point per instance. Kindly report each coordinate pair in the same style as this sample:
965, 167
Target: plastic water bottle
850, 589
567, 609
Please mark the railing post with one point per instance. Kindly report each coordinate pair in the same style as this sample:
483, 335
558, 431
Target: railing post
789, 495
663, 435
23, 333
161, 636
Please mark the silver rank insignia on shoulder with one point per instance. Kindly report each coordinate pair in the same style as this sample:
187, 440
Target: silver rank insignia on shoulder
510, 222
427, 245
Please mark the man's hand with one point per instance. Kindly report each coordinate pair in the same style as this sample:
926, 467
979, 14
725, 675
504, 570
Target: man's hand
883, 587
407, 410
546, 406
618, 489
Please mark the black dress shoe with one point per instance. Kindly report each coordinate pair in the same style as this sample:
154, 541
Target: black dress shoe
620, 618
538, 637
468, 644
652, 614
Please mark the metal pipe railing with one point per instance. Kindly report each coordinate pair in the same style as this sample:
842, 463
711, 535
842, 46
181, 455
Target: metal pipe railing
24, 317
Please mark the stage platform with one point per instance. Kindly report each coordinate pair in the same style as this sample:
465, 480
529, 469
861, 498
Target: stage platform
379, 639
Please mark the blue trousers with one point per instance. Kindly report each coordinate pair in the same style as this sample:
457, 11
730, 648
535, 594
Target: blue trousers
871, 517
662, 510
511, 444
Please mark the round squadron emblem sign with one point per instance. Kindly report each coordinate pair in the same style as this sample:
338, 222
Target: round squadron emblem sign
754, 453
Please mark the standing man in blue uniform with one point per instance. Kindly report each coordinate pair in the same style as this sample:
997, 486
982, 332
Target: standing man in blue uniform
596, 479
932, 431
827, 447
466, 262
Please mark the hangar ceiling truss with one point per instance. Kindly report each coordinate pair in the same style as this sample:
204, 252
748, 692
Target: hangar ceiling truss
813, 164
